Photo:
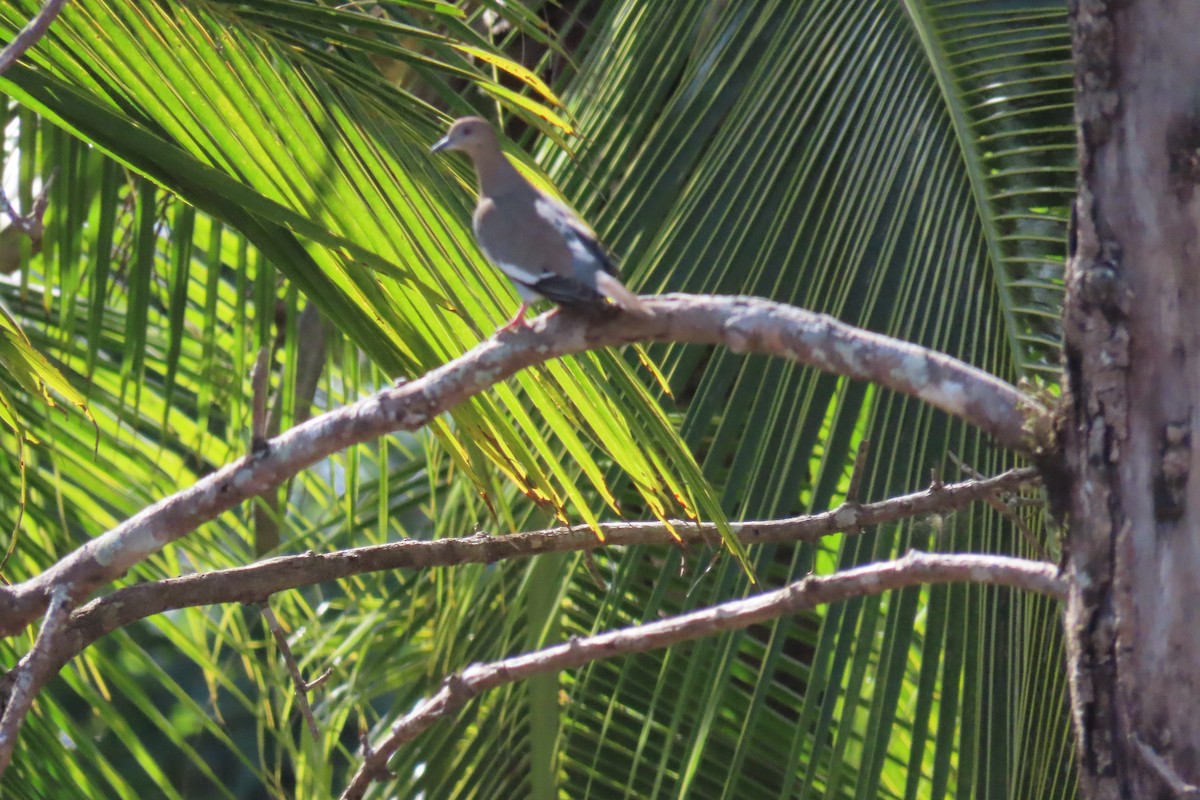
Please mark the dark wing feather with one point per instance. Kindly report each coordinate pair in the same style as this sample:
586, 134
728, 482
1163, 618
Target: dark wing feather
593, 254
571, 293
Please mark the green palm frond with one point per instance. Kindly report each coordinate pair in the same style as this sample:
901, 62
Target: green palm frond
323, 165
904, 167
846, 159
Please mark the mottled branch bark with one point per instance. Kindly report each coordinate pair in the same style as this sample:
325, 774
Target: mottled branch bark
912, 570
1132, 345
23, 682
744, 324
256, 582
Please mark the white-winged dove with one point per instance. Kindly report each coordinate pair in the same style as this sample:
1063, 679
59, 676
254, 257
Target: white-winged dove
535, 240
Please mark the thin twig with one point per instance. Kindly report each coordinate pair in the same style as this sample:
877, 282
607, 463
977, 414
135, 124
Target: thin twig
1178, 786
260, 378
913, 569
970, 471
860, 467
302, 687
744, 324
32, 224
1002, 507
30, 34
319, 680
589, 562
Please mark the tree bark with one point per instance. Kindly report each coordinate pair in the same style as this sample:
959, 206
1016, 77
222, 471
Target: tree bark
1132, 345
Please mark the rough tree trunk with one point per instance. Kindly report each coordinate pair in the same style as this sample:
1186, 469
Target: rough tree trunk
1132, 330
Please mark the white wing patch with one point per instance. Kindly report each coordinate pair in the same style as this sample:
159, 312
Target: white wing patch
517, 273
522, 279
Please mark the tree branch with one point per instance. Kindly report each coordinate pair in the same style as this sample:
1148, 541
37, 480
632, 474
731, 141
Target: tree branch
29, 35
27, 678
256, 582
912, 570
744, 324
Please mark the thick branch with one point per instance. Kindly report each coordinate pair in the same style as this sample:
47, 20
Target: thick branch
256, 582
912, 570
744, 324
29, 35
24, 682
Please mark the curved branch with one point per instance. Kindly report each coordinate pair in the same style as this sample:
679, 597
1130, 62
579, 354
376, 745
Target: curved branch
744, 324
22, 684
256, 582
912, 570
